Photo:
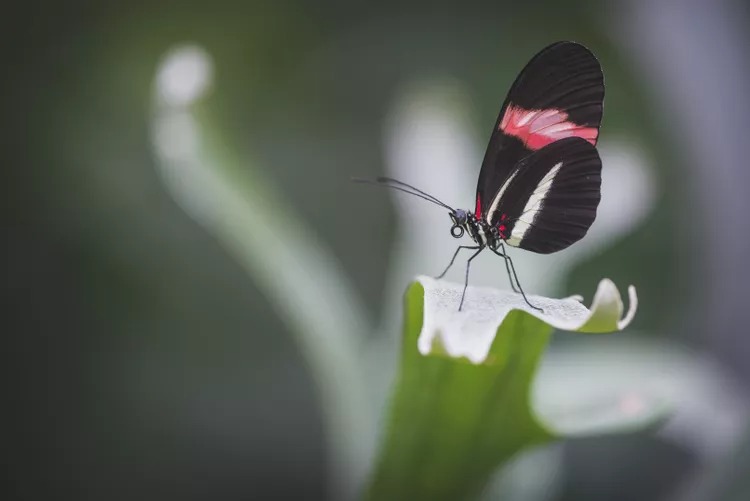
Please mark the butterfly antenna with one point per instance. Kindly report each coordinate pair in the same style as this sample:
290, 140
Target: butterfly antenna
401, 183
385, 183
388, 182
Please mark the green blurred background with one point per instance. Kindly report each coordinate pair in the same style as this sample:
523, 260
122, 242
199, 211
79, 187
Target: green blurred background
145, 361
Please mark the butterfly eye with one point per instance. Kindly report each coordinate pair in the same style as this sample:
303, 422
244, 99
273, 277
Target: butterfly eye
459, 217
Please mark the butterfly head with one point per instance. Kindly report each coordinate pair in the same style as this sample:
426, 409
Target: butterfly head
459, 218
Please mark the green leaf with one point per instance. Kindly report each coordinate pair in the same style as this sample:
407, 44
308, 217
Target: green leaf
461, 405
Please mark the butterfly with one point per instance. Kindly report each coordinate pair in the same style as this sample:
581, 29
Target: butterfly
539, 184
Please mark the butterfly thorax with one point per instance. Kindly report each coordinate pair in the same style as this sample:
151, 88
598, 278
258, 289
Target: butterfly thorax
479, 230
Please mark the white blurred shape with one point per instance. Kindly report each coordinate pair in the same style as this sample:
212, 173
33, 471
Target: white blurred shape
428, 142
632, 404
300, 276
588, 384
628, 193
184, 75
533, 475
176, 136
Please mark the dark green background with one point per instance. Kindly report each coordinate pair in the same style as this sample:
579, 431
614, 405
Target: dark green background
143, 362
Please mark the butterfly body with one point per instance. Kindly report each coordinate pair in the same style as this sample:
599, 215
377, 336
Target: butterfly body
478, 230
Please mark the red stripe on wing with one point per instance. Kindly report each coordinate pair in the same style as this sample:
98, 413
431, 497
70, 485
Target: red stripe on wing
538, 128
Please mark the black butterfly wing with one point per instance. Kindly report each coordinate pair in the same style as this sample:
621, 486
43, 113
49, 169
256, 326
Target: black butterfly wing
559, 94
551, 199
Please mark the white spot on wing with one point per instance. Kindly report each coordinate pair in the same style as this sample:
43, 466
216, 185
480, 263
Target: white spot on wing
549, 130
533, 205
529, 116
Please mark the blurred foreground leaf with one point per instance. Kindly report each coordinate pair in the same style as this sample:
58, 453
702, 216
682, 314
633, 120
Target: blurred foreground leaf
229, 195
462, 406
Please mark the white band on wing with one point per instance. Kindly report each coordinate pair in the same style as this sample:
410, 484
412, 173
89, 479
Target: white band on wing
496, 201
533, 205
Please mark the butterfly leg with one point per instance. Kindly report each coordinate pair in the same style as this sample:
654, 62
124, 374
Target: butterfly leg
454, 258
513, 269
466, 279
506, 258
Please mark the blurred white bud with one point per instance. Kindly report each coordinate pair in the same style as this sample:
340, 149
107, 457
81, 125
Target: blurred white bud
184, 75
